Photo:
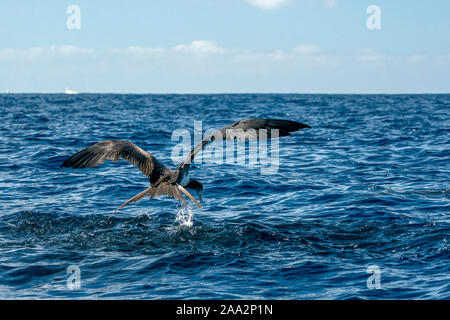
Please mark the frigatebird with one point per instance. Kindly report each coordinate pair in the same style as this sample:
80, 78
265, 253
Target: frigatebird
164, 181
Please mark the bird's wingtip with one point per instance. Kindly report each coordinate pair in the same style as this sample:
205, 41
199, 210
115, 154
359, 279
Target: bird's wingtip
302, 126
65, 164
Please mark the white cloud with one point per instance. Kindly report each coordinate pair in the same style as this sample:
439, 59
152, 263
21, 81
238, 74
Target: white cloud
42, 52
200, 47
416, 58
306, 55
275, 4
279, 55
307, 49
190, 67
371, 56
268, 4
69, 49
309, 53
142, 52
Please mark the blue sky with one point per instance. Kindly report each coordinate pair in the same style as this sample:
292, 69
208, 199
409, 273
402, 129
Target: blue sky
214, 46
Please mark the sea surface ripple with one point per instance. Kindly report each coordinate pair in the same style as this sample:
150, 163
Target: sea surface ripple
367, 186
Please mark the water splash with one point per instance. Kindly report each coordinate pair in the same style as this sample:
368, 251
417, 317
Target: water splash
185, 216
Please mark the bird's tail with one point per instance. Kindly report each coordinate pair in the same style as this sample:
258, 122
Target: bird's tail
165, 189
173, 191
170, 190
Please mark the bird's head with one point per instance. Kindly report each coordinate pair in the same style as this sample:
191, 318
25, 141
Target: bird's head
197, 186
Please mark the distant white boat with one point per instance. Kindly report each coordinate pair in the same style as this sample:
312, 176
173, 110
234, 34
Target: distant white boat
68, 91
7, 91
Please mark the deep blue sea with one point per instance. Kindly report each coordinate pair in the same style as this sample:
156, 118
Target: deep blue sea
367, 186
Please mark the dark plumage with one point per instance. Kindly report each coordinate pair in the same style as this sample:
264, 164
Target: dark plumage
164, 181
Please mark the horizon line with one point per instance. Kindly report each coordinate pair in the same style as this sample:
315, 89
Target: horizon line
230, 93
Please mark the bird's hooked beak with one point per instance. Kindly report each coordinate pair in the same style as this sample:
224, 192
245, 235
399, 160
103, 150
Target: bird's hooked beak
200, 198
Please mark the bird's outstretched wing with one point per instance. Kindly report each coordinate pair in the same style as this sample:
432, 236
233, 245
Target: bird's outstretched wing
247, 129
114, 150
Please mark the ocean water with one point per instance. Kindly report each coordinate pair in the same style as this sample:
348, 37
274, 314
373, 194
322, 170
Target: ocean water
359, 207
